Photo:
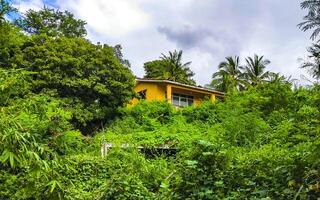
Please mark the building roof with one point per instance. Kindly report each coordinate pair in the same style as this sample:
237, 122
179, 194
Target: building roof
179, 84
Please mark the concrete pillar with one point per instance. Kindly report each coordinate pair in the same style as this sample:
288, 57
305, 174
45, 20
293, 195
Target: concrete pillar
212, 97
169, 93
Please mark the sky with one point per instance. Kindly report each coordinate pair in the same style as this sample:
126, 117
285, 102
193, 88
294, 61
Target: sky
206, 30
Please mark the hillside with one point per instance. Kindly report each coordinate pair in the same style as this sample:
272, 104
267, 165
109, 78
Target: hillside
260, 143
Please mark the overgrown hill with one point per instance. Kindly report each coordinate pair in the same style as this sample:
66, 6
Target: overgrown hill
260, 143
62, 99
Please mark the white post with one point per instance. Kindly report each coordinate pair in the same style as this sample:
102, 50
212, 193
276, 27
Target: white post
104, 149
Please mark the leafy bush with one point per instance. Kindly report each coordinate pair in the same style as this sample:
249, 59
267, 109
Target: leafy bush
204, 113
257, 144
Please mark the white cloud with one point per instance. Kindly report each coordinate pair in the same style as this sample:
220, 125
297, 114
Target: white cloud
108, 18
24, 6
144, 46
203, 64
215, 29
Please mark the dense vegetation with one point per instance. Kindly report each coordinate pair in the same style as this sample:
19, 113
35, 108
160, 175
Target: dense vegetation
62, 98
262, 143
312, 22
170, 67
89, 79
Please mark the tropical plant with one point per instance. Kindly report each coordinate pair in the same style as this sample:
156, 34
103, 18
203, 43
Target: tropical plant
6, 9
11, 40
155, 69
261, 143
52, 22
258, 143
313, 64
170, 67
278, 78
312, 19
254, 71
229, 77
87, 77
13, 84
119, 55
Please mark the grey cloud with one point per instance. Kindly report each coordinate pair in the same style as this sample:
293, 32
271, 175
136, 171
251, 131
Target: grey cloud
207, 40
185, 37
209, 30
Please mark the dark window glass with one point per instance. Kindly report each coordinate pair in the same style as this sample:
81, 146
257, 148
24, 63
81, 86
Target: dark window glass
142, 94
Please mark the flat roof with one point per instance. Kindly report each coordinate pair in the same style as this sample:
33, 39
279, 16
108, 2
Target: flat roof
179, 84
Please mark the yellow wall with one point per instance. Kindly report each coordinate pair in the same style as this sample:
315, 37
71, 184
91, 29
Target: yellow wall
158, 91
155, 91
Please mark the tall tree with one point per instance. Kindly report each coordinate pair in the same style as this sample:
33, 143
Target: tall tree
52, 22
88, 78
5, 9
312, 22
119, 55
155, 69
11, 40
254, 71
312, 19
277, 78
170, 67
313, 64
228, 78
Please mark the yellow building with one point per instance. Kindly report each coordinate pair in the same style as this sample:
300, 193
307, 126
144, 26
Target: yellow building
178, 94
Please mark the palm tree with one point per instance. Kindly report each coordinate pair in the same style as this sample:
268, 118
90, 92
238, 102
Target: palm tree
314, 63
277, 78
228, 78
176, 70
312, 19
5, 9
254, 71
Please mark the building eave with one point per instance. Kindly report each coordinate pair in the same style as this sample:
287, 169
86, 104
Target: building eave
180, 84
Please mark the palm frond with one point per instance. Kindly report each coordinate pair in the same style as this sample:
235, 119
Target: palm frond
227, 78
175, 69
254, 72
312, 19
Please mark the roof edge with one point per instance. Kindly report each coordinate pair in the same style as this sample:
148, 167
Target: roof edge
179, 84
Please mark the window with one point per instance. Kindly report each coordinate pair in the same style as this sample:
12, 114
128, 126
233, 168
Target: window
142, 94
219, 97
181, 100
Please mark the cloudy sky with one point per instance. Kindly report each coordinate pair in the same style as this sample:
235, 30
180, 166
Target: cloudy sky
206, 30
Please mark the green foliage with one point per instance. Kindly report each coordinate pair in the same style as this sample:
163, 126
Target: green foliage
70, 142
154, 69
311, 20
262, 143
255, 70
259, 143
206, 112
91, 80
170, 68
5, 9
233, 77
160, 111
201, 170
52, 23
228, 78
26, 124
119, 55
10, 41
87, 77
312, 64
13, 83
